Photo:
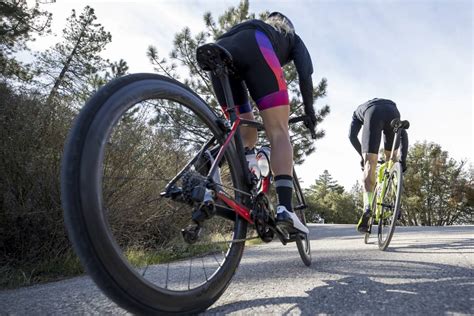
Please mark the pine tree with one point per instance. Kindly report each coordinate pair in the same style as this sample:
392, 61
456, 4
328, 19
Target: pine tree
357, 195
327, 199
324, 185
183, 54
18, 24
96, 80
67, 66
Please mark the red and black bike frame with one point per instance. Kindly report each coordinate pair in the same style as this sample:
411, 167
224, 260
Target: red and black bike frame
233, 133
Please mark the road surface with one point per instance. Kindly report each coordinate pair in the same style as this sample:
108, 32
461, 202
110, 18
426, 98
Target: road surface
426, 270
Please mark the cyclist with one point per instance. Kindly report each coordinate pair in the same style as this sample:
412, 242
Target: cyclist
259, 50
375, 115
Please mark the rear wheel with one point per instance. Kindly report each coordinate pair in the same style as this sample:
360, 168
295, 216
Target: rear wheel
390, 206
302, 240
127, 143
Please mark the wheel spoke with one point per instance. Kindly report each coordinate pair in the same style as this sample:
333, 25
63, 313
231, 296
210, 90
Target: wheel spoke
125, 147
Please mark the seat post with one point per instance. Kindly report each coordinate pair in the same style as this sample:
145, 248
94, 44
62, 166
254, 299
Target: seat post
229, 99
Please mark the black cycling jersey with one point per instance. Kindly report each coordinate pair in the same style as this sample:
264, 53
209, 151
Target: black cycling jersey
375, 116
287, 47
359, 113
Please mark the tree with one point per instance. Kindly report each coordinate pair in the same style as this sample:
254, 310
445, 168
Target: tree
17, 27
438, 190
356, 193
93, 82
183, 54
327, 199
340, 208
324, 185
67, 66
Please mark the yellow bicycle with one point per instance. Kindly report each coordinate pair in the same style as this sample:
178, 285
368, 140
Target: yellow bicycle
388, 191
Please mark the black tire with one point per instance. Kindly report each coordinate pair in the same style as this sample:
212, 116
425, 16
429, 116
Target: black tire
390, 203
303, 242
85, 221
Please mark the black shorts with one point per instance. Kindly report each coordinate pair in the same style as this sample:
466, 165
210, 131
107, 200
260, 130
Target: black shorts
377, 119
259, 71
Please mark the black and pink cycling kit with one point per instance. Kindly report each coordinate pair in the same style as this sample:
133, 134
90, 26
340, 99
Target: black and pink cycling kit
259, 52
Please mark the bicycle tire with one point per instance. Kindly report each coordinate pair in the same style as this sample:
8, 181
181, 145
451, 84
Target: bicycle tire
303, 242
395, 173
85, 223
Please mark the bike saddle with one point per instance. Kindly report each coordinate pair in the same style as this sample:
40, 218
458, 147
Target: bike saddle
397, 123
215, 58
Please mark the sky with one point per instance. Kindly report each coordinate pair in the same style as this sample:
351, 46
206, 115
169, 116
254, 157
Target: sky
417, 53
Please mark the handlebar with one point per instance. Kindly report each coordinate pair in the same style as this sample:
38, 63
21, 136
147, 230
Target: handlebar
307, 121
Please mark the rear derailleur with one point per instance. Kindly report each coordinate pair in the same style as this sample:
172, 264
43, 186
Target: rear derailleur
197, 191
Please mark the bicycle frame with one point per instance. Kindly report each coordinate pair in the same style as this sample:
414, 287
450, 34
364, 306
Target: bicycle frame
234, 133
382, 179
237, 207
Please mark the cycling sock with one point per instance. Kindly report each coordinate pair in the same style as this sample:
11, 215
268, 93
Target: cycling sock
368, 196
284, 189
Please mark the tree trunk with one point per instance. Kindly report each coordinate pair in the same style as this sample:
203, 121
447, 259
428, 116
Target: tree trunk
60, 78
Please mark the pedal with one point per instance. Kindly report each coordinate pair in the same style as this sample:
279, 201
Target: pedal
282, 234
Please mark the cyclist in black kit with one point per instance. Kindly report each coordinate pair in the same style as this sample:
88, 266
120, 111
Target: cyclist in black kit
259, 50
375, 116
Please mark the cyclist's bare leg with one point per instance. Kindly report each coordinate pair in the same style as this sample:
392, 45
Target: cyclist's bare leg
276, 126
370, 165
395, 155
249, 134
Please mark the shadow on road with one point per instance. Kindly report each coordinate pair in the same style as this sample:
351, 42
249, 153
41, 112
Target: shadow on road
461, 246
407, 287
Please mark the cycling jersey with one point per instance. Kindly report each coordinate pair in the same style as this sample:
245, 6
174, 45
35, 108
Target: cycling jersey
375, 116
259, 51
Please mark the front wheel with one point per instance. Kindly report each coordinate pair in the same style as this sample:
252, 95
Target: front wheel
302, 240
132, 137
389, 205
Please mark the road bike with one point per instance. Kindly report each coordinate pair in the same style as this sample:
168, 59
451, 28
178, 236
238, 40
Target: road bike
158, 198
388, 193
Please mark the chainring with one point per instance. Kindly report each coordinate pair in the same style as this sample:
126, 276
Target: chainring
263, 218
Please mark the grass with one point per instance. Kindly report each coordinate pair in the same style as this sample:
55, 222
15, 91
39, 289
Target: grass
140, 257
13, 276
68, 265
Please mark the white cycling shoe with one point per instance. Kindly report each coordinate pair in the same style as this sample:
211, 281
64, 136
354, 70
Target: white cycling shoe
289, 221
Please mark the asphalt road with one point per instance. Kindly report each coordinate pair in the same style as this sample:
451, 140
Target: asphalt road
426, 270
